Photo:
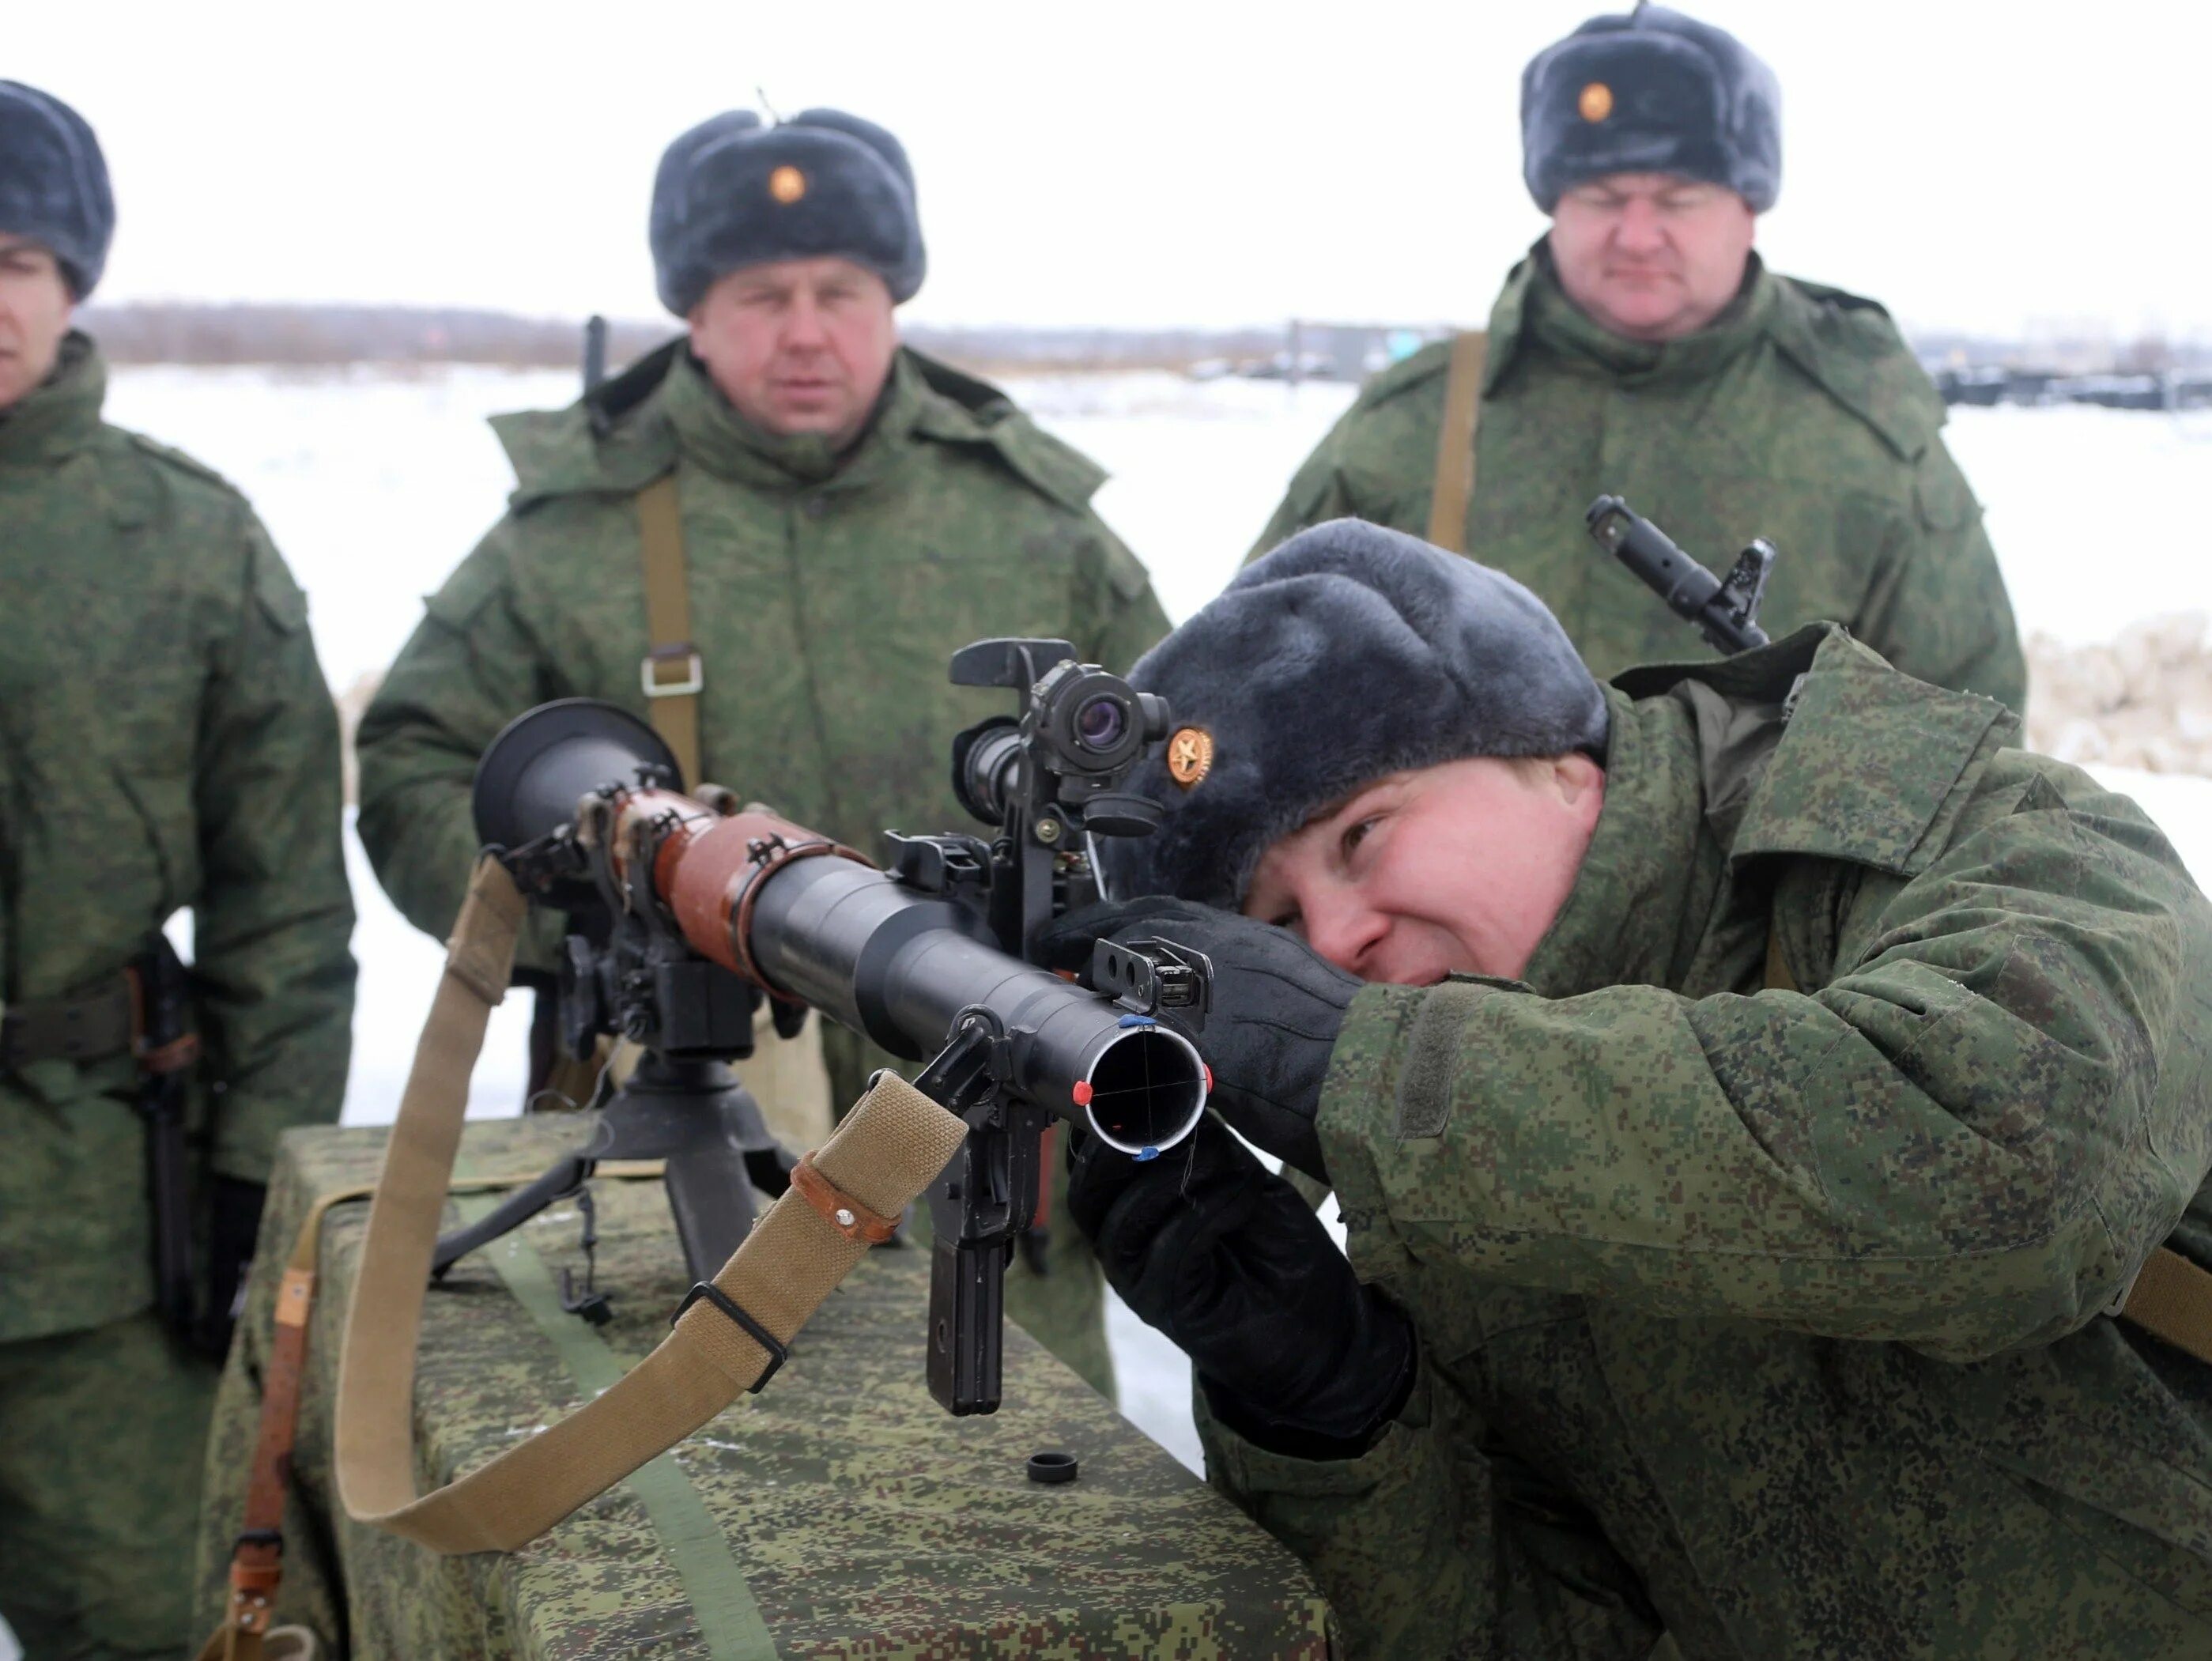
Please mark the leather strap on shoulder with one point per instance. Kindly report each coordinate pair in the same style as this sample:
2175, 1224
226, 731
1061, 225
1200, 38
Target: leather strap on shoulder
1454, 481
673, 671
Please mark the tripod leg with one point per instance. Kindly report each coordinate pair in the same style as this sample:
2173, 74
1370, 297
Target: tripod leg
711, 1193
565, 1176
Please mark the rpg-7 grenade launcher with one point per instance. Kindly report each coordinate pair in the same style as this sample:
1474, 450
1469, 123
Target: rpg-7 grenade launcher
692, 908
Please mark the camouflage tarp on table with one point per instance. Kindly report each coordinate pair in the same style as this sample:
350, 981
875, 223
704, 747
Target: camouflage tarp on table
840, 1513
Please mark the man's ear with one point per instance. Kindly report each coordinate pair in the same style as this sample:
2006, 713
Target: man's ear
1577, 778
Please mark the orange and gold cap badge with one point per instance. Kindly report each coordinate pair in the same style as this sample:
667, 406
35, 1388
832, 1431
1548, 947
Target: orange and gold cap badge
786, 184
1596, 102
1190, 756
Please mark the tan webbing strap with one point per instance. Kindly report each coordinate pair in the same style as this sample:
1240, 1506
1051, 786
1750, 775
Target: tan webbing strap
2171, 1298
1455, 482
884, 1154
672, 671
257, 1562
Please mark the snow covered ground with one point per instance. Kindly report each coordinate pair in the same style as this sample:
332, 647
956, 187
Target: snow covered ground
375, 484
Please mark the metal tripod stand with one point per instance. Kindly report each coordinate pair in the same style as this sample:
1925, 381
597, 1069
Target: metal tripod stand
694, 1114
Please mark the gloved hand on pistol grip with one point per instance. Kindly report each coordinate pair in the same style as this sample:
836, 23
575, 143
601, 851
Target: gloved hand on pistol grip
1277, 1005
1229, 1261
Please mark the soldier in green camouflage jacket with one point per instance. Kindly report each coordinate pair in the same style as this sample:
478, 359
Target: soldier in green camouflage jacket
852, 512
1779, 1137
166, 743
1643, 350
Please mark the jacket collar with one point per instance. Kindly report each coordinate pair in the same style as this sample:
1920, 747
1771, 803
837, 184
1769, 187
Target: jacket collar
1811, 747
62, 414
711, 433
1869, 765
1649, 877
1533, 313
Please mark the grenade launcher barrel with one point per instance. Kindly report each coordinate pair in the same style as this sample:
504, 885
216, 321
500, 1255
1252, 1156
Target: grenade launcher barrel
810, 921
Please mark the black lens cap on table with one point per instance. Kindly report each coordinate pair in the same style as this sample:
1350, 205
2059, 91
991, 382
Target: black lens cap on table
1052, 1466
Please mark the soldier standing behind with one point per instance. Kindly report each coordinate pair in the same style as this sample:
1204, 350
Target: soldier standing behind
828, 516
167, 740
1642, 348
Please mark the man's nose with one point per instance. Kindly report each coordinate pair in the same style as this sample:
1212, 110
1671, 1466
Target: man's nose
1641, 230
803, 325
1343, 927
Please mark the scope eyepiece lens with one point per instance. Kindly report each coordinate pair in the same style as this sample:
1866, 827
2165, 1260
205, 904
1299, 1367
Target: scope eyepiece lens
1102, 722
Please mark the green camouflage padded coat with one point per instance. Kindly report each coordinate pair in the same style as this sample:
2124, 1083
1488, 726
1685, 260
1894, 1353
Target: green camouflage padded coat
826, 599
1778, 1320
1800, 417
166, 741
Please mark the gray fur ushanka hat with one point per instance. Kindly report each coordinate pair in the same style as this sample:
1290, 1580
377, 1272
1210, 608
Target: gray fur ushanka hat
53, 183
1349, 652
734, 192
1652, 91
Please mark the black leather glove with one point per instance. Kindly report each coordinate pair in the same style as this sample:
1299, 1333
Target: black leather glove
233, 1224
1226, 1259
1277, 1005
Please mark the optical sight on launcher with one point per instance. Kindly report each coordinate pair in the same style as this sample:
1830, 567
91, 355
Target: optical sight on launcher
687, 908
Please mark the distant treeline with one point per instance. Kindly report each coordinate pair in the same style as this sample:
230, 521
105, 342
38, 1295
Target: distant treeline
319, 336
312, 335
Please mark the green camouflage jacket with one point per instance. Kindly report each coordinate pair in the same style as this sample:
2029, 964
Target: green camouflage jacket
1776, 1319
166, 741
1800, 417
827, 598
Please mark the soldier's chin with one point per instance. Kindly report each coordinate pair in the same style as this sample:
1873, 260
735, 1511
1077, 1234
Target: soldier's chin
823, 414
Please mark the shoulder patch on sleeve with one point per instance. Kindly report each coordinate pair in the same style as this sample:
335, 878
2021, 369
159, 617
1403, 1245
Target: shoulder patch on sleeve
1849, 347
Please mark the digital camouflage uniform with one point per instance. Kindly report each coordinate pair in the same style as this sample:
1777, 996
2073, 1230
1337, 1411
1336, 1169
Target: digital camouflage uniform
1799, 416
1776, 1320
166, 741
827, 598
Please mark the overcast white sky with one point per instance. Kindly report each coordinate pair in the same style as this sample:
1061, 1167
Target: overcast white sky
1995, 165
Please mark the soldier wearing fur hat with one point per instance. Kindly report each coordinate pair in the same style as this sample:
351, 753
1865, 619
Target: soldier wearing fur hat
1768, 1112
166, 743
831, 515
1643, 349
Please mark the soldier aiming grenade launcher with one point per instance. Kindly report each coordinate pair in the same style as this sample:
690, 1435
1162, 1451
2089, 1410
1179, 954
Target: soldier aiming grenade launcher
689, 909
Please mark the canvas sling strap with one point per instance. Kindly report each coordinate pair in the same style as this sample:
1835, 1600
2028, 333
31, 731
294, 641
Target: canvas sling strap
2171, 1298
1454, 481
672, 671
256, 1557
727, 1337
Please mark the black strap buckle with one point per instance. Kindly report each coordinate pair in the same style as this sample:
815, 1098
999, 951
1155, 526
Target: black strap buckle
777, 1355
273, 1539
